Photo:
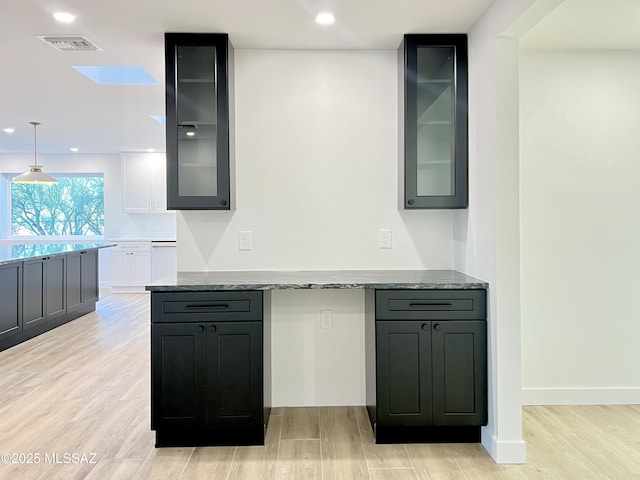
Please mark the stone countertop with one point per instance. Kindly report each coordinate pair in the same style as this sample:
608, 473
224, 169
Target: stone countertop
317, 279
24, 251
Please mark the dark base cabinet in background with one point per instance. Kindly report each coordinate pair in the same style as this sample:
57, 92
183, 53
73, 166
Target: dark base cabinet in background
42, 293
45, 290
426, 365
207, 369
10, 302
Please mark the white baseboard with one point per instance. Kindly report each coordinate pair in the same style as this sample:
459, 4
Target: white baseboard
580, 396
504, 452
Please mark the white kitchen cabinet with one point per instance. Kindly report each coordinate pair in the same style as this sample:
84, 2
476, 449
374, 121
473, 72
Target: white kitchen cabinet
130, 266
144, 182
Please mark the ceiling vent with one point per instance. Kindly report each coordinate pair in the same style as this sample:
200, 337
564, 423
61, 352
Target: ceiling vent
68, 43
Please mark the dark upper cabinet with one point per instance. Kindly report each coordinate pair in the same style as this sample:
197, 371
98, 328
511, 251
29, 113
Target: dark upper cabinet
199, 120
434, 130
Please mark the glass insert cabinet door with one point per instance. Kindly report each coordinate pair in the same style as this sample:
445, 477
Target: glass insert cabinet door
434, 69
197, 121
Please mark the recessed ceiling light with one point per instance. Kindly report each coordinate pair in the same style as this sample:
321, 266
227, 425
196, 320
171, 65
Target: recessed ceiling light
74, 149
325, 18
190, 134
64, 17
8, 130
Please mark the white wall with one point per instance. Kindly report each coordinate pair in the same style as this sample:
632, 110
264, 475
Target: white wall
117, 224
486, 235
580, 211
316, 168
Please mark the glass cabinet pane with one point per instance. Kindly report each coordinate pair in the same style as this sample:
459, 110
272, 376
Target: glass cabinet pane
435, 116
196, 115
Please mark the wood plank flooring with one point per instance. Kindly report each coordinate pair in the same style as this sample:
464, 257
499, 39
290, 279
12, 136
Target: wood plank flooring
83, 389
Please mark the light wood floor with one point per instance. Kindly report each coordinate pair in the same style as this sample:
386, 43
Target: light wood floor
84, 389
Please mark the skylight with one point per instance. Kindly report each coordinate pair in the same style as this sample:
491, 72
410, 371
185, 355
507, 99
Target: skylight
117, 75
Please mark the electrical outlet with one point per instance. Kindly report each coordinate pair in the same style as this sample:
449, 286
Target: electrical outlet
326, 319
384, 238
244, 240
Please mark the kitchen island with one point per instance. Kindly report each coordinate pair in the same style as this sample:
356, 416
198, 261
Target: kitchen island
43, 286
425, 348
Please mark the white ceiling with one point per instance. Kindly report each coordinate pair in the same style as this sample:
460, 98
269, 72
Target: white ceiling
588, 24
37, 82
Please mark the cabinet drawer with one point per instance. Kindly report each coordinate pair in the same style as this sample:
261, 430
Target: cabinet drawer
206, 306
431, 304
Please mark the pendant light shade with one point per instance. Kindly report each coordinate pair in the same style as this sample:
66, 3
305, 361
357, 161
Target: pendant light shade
35, 173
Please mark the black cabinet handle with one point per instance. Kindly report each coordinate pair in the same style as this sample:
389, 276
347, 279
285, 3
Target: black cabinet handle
208, 306
436, 326
200, 328
430, 304
425, 326
213, 328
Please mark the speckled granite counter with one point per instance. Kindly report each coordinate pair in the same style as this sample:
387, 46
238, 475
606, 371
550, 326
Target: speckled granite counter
317, 279
24, 251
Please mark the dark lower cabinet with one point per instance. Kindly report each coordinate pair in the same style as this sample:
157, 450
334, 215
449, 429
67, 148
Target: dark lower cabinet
89, 269
404, 374
10, 300
459, 368
33, 307
82, 280
426, 375
74, 282
179, 375
42, 293
207, 376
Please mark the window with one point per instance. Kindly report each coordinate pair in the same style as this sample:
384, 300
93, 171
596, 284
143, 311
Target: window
72, 207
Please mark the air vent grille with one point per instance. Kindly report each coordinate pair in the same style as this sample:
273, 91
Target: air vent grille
68, 43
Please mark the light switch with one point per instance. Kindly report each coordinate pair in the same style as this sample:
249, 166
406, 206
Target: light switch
384, 238
244, 240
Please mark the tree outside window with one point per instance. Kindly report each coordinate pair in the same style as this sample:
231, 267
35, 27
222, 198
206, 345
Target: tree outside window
72, 207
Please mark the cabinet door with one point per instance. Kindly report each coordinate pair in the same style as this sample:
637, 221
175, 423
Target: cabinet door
119, 267
10, 299
198, 125
74, 283
55, 291
144, 180
89, 276
234, 374
435, 120
136, 182
139, 268
403, 366
33, 299
459, 351
178, 375
158, 193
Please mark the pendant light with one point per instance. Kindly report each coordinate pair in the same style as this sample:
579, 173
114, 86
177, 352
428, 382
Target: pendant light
35, 173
